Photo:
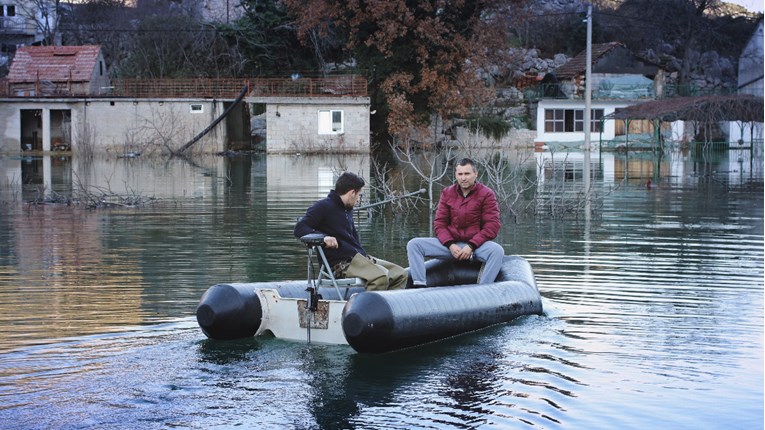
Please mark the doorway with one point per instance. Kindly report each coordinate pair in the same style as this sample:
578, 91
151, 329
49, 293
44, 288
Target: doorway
60, 129
31, 129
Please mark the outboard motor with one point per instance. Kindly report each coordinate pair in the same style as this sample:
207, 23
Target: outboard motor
228, 312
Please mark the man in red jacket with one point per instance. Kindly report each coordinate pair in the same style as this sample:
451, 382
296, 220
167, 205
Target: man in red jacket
467, 219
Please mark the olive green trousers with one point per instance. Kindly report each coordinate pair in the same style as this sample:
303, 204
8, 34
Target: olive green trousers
378, 274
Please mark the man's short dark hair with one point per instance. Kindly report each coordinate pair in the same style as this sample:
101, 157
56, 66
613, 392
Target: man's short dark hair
466, 162
348, 181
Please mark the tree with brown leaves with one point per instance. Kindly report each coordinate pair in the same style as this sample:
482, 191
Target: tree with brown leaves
423, 58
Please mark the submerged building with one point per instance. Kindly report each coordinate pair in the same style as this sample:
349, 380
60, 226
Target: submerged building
61, 98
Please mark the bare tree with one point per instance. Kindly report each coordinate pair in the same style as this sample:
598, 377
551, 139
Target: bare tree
431, 167
45, 14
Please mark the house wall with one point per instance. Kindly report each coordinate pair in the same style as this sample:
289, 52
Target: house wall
99, 79
609, 127
750, 81
292, 124
24, 27
141, 125
750, 65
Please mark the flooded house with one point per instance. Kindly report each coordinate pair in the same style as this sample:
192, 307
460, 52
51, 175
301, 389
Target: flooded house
619, 79
62, 98
40, 75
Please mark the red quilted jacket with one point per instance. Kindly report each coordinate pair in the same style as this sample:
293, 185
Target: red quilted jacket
473, 219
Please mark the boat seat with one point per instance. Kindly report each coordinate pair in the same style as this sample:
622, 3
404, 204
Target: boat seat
325, 276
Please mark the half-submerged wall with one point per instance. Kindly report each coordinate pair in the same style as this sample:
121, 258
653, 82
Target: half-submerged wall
316, 124
109, 125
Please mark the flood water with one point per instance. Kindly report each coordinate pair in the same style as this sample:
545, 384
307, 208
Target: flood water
653, 302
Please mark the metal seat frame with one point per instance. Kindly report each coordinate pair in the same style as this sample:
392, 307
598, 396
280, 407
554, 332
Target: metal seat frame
325, 276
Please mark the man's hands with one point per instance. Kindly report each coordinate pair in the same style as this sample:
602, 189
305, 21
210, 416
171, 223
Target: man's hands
330, 242
463, 253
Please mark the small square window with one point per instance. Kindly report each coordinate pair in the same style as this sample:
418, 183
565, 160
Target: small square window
196, 108
331, 122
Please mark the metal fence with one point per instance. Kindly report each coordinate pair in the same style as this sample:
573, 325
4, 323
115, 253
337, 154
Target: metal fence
175, 88
332, 86
223, 88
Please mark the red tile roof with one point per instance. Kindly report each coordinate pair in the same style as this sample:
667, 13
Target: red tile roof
577, 65
54, 63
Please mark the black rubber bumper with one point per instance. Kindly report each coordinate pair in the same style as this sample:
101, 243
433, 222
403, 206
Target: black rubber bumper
229, 311
375, 322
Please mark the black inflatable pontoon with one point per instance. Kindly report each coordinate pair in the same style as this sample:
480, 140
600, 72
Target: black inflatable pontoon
374, 321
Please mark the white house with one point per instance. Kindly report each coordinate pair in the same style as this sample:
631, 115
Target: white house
619, 79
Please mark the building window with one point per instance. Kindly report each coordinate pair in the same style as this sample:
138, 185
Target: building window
595, 117
196, 108
8, 10
555, 120
330, 122
571, 120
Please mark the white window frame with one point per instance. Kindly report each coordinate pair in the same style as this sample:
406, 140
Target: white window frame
327, 121
196, 108
562, 120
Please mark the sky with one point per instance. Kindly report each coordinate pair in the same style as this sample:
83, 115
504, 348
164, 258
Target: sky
751, 5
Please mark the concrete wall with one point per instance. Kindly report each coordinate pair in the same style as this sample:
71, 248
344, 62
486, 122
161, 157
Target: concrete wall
293, 124
161, 125
119, 125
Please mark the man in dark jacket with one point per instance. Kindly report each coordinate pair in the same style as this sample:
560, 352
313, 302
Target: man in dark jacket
333, 217
467, 219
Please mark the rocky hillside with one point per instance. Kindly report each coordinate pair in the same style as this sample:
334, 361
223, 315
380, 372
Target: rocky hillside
696, 46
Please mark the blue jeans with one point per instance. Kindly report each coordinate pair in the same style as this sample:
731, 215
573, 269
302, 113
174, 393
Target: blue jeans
419, 248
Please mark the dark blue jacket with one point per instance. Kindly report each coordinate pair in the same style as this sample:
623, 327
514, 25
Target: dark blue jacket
330, 217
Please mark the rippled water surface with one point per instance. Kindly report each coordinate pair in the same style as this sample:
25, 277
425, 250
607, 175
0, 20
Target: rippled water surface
653, 304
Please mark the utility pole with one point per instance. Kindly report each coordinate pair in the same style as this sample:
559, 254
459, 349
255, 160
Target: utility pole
587, 82
588, 105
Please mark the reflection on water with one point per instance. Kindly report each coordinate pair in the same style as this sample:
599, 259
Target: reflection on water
214, 219
653, 305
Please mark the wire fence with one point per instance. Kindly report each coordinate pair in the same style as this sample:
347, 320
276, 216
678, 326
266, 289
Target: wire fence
222, 88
